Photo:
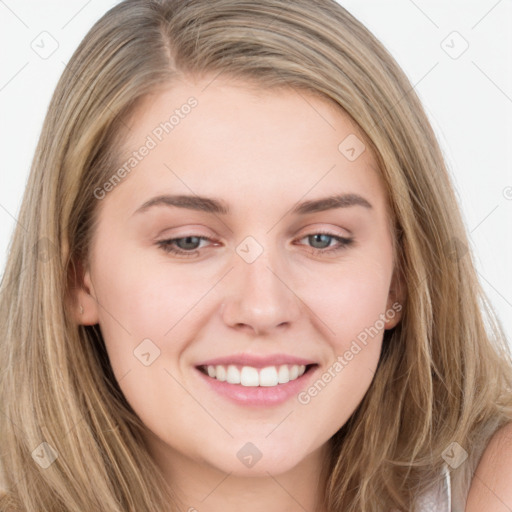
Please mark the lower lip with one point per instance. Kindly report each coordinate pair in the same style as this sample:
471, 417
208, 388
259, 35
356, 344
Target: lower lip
259, 395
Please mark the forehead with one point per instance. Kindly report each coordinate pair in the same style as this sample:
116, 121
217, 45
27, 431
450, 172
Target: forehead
230, 137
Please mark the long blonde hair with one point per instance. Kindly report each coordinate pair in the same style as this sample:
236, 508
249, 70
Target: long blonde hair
445, 370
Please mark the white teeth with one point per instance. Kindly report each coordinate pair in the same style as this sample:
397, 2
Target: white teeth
249, 376
268, 376
284, 374
220, 373
252, 377
233, 375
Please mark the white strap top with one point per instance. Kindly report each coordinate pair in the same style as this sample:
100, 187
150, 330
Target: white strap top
438, 499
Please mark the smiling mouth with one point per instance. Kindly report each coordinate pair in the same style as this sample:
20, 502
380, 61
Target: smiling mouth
250, 376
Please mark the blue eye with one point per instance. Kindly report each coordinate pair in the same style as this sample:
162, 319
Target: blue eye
188, 246
320, 237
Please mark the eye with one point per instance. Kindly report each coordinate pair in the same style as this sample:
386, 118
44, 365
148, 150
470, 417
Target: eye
322, 242
189, 246
186, 246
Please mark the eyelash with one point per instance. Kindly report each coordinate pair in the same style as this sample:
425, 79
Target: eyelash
166, 245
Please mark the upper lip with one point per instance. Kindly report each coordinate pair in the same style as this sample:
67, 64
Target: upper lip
257, 361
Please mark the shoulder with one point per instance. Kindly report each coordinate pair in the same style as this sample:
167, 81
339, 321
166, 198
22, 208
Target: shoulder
491, 488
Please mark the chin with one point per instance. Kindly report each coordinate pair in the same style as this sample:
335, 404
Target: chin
247, 460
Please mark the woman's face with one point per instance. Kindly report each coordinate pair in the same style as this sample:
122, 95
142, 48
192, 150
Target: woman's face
284, 265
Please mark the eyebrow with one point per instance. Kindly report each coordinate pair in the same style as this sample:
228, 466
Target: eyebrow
216, 206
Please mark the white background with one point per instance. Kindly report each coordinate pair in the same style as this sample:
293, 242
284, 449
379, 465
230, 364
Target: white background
468, 99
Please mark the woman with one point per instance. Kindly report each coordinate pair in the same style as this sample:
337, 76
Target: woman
175, 339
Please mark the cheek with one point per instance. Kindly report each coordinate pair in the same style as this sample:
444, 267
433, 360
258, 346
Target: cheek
351, 305
146, 309
349, 298
140, 300
140, 284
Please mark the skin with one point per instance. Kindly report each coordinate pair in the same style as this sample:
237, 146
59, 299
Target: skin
490, 488
261, 151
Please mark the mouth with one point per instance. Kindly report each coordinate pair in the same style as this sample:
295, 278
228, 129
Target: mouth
250, 376
256, 380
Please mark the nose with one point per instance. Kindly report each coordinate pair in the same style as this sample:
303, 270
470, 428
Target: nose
260, 296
